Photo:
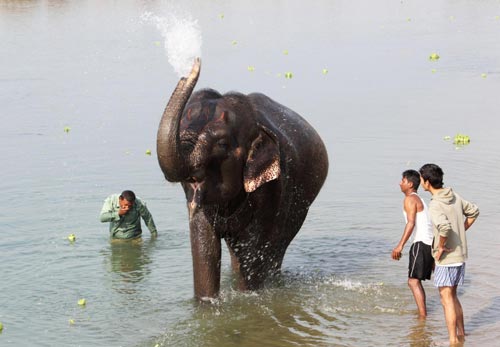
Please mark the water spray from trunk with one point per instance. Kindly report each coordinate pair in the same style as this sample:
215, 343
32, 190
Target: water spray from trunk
182, 35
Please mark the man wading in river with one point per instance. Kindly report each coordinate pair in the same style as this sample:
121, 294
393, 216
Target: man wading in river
451, 217
417, 219
124, 212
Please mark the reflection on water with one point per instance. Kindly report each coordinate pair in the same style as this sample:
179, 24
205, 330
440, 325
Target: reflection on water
420, 334
129, 260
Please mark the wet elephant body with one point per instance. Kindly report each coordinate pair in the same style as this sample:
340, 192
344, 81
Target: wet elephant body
250, 169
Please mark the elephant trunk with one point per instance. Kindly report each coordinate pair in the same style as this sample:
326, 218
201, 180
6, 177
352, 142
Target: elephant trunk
167, 142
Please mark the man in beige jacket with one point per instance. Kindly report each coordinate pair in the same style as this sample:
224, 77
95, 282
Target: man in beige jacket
451, 216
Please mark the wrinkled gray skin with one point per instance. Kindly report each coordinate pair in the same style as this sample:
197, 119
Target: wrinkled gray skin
250, 169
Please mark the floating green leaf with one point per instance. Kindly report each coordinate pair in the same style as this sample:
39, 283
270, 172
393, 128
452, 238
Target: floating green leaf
71, 237
434, 57
461, 139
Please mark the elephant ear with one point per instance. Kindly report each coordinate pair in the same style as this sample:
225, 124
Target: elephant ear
263, 161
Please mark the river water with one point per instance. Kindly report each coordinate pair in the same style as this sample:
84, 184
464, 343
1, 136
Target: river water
360, 74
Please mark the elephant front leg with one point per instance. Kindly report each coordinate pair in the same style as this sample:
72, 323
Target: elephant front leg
206, 252
253, 263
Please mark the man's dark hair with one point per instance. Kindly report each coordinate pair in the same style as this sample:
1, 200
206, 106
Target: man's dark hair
128, 195
433, 174
412, 176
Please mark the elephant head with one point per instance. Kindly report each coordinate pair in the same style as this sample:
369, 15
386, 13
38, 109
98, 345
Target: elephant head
213, 144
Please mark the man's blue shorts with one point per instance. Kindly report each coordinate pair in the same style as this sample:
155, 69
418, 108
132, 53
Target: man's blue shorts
449, 276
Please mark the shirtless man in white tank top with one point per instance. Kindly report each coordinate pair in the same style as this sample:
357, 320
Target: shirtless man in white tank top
419, 224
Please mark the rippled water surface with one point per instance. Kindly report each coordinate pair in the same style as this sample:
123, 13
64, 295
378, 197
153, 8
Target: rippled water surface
360, 74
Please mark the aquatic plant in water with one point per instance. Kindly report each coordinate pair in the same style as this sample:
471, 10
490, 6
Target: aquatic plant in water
461, 140
434, 57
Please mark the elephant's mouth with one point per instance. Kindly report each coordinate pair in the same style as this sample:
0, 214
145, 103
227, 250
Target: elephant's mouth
231, 218
237, 209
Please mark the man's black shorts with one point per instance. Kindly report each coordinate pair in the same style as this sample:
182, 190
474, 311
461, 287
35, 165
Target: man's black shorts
421, 261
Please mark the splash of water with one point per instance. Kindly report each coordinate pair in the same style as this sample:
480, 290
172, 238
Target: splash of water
182, 37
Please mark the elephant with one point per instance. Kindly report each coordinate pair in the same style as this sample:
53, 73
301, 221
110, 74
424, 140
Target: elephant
250, 169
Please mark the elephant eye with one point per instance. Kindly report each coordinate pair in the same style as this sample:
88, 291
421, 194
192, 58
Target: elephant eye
222, 143
187, 145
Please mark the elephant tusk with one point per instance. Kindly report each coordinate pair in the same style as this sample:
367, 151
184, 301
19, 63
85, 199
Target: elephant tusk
192, 206
195, 203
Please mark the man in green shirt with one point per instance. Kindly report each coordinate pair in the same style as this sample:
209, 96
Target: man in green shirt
124, 212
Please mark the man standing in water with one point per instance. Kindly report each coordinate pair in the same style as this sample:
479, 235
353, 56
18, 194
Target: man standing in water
418, 223
124, 212
451, 216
